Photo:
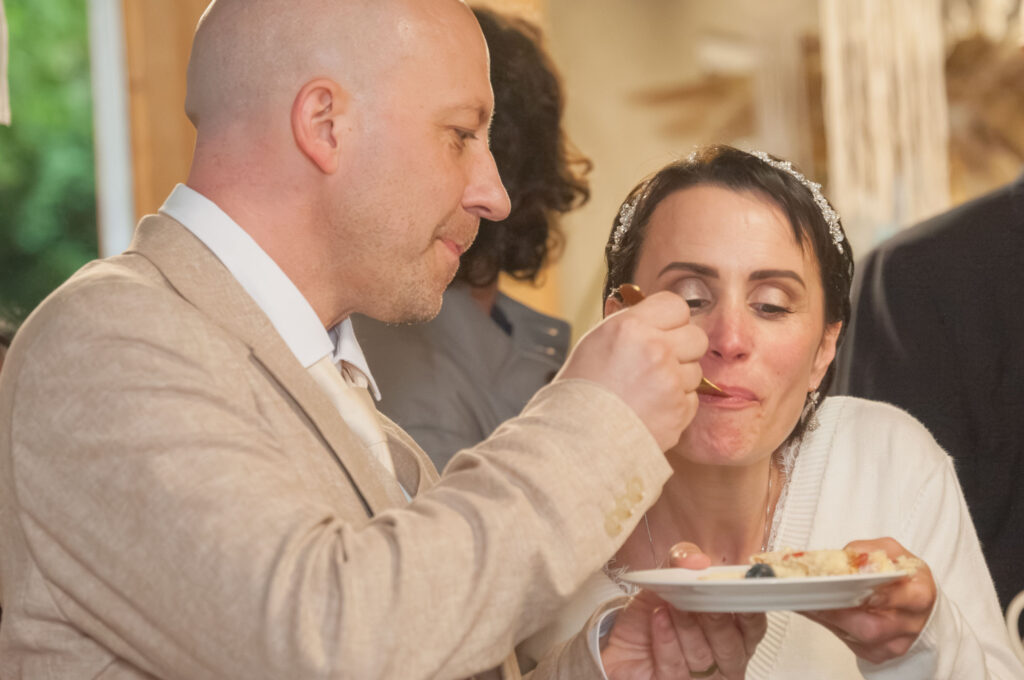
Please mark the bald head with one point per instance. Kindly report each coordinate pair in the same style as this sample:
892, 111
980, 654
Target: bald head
250, 57
336, 132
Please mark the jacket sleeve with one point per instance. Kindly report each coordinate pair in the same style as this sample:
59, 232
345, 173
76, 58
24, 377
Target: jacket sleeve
170, 525
579, 656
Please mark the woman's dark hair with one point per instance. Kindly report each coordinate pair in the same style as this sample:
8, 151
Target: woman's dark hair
543, 174
737, 170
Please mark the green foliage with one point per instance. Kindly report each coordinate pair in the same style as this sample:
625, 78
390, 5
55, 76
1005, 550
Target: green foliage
47, 185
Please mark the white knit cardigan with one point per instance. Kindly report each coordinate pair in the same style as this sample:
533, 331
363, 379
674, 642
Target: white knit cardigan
869, 470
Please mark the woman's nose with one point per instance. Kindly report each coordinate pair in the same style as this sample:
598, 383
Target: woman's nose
729, 333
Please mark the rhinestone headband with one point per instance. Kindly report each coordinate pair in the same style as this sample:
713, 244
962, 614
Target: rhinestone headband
625, 220
628, 210
830, 215
626, 214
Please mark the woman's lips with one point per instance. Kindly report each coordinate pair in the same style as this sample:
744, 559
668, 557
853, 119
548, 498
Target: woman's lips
735, 396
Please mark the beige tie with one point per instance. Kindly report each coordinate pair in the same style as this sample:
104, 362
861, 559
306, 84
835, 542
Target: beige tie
348, 390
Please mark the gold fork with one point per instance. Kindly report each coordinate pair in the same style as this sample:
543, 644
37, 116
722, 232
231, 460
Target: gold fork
630, 294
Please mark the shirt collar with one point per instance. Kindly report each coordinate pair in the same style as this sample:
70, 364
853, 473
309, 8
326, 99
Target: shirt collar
346, 348
289, 312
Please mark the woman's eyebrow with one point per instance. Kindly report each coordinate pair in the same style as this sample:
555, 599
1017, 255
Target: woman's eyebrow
701, 269
762, 274
712, 273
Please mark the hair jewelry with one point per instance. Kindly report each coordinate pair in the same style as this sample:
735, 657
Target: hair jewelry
626, 214
628, 210
830, 215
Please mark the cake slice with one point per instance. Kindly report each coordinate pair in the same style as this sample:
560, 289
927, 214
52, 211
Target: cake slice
789, 563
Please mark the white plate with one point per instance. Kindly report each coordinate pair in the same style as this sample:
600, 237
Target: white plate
692, 590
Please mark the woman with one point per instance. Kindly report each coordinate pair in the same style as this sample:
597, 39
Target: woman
760, 256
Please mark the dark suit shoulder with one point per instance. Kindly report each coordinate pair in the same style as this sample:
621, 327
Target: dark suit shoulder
986, 227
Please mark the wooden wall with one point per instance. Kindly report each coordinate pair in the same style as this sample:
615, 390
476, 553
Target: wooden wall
158, 38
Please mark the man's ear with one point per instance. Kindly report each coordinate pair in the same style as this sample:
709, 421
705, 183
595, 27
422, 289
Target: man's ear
317, 114
612, 304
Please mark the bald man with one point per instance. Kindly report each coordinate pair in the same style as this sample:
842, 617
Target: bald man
193, 480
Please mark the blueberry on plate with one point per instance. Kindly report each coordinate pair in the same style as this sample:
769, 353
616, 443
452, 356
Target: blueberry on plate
760, 571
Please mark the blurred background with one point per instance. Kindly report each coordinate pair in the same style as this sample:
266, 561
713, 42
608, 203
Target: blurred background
899, 109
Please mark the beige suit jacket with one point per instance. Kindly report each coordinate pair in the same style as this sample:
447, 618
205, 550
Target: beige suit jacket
178, 499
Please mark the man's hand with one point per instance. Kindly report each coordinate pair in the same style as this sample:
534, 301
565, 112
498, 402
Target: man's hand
652, 641
889, 622
648, 355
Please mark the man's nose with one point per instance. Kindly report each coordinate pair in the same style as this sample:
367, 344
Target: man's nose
485, 195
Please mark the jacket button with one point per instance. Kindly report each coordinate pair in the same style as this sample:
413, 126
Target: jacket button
623, 511
635, 490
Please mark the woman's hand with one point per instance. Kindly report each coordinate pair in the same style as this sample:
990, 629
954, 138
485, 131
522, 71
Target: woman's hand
653, 641
889, 621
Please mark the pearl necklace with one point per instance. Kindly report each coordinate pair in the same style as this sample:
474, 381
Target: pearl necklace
765, 534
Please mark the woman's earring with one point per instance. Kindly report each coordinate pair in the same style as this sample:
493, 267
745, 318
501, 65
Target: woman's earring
810, 414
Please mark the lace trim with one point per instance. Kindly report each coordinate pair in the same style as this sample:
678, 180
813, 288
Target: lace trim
788, 463
615, 574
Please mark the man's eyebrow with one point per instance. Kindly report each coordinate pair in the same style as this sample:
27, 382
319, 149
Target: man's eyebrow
481, 111
701, 269
763, 274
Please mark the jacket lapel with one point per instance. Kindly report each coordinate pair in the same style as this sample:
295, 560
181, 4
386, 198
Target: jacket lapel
200, 278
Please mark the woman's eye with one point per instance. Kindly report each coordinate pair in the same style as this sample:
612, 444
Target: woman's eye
771, 301
768, 309
695, 292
